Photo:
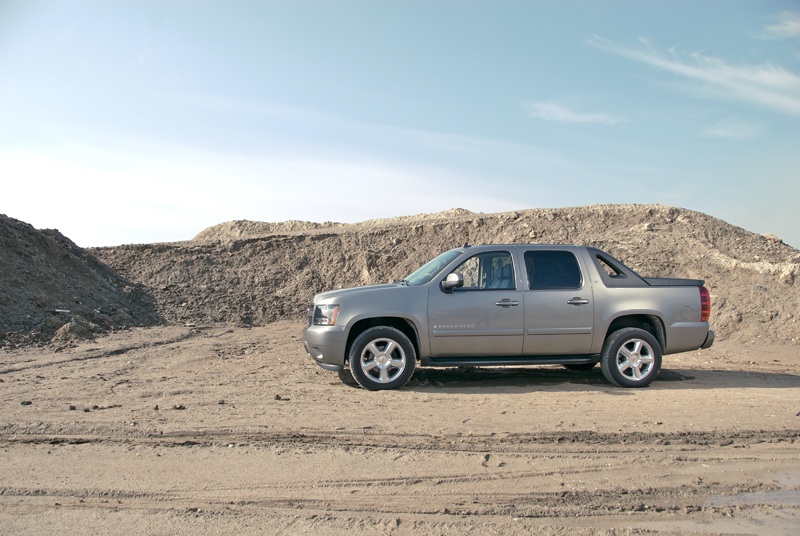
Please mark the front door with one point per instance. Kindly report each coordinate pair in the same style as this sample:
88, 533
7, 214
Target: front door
482, 318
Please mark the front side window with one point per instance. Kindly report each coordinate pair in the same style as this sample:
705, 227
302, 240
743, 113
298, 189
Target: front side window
552, 270
487, 271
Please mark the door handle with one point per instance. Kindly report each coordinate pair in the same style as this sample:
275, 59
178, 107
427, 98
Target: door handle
577, 301
505, 302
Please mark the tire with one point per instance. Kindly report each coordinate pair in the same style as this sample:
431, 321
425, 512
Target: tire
382, 357
580, 366
631, 357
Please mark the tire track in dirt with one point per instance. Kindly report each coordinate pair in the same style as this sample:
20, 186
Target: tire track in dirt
482, 489
482, 494
610, 502
573, 442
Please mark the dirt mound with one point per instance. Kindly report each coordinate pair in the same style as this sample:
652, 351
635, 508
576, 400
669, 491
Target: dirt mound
239, 229
252, 273
242, 229
49, 285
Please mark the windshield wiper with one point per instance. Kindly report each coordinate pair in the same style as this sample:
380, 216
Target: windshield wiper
403, 282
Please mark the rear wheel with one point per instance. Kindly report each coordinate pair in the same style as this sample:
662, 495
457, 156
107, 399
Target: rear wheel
382, 357
631, 357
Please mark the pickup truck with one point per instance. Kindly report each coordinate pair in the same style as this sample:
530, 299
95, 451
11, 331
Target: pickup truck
497, 305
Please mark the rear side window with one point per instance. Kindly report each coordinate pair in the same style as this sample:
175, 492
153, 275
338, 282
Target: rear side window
609, 267
487, 271
552, 270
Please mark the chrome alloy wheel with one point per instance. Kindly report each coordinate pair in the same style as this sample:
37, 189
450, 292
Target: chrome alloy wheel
383, 360
635, 359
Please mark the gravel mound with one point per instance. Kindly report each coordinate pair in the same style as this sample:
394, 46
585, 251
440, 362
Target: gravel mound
52, 289
238, 229
253, 273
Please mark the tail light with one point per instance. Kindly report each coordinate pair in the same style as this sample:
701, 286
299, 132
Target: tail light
705, 304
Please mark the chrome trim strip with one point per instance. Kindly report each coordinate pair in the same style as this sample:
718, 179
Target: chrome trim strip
559, 331
476, 332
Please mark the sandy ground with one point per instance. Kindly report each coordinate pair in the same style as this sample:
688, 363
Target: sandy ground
195, 430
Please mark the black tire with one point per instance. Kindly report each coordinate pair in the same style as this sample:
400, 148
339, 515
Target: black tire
382, 357
631, 357
580, 366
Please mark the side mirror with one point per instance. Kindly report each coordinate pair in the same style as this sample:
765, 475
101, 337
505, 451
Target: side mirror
454, 280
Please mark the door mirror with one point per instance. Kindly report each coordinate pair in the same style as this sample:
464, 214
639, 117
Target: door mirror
454, 280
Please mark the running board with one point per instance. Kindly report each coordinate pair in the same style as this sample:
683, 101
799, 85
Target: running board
502, 361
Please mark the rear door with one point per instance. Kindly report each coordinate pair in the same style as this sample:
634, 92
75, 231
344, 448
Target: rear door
485, 316
559, 305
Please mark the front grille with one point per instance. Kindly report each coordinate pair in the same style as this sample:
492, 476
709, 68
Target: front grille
310, 318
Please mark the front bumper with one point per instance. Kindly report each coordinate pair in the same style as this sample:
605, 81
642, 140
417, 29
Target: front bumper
326, 346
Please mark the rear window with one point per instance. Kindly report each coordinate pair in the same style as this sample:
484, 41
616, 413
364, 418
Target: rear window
552, 270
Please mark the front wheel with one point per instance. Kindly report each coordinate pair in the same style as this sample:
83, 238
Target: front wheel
631, 357
382, 357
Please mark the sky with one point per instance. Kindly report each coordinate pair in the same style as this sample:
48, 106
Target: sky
140, 122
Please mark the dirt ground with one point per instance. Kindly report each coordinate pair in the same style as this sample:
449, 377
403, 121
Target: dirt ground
205, 430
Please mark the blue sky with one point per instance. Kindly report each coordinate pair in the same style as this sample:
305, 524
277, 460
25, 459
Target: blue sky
130, 122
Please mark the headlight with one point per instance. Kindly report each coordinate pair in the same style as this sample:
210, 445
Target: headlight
325, 315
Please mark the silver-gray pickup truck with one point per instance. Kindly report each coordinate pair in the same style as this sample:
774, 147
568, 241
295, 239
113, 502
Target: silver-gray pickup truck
498, 305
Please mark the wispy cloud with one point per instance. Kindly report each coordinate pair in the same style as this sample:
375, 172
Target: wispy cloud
788, 25
145, 51
765, 84
730, 128
554, 112
391, 136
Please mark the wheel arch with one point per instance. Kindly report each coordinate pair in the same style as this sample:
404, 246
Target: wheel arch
406, 326
650, 323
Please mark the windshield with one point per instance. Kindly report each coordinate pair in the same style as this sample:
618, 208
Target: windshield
429, 270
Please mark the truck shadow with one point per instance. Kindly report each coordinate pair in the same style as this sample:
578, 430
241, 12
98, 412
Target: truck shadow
534, 378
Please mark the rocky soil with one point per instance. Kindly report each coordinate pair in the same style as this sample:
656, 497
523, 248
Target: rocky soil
51, 289
253, 273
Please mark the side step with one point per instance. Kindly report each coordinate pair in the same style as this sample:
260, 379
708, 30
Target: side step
503, 361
